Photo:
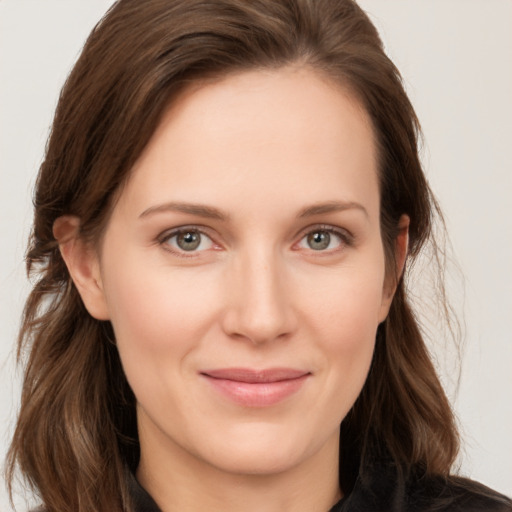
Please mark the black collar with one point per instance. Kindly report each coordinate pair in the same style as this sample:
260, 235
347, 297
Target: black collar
143, 502
383, 489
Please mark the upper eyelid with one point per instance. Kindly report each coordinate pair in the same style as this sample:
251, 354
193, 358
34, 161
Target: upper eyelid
343, 232
168, 233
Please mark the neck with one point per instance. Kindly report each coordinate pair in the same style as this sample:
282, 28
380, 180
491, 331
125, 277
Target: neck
178, 480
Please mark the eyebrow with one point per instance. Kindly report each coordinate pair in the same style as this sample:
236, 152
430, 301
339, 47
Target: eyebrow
199, 210
210, 212
331, 207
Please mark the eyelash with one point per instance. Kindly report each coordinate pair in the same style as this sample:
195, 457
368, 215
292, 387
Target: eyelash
346, 239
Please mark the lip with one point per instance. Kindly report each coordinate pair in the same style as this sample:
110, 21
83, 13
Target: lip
256, 388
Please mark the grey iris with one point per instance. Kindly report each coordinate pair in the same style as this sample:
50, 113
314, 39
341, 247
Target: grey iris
188, 240
319, 240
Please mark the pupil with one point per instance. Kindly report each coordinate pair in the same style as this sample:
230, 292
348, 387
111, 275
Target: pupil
189, 241
319, 240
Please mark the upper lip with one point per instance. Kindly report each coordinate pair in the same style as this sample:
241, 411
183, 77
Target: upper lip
255, 376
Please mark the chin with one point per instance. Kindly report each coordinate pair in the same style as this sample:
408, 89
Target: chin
256, 462
256, 450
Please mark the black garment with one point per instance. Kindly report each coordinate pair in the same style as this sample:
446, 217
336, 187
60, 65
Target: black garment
382, 491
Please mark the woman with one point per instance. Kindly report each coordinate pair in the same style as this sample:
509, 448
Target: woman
230, 197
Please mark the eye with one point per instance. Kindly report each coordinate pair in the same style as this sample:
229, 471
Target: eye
323, 239
187, 240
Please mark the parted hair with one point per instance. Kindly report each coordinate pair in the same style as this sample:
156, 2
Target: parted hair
76, 437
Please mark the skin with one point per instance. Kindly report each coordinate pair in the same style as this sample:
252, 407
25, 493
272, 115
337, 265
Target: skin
262, 148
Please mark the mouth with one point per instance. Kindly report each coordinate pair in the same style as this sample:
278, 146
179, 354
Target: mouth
256, 388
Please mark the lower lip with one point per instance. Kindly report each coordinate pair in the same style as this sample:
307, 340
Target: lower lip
257, 394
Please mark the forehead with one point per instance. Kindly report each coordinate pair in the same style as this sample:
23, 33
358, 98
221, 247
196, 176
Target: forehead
257, 134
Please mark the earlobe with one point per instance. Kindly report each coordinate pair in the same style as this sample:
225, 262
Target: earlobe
401, 250
83, 265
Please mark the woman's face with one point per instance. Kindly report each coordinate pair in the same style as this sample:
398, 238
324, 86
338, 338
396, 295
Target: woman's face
243, 272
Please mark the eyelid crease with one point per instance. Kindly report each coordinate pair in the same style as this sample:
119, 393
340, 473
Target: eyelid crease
343, 233
168, 233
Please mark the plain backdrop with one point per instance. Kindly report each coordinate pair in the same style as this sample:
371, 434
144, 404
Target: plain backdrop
456, 59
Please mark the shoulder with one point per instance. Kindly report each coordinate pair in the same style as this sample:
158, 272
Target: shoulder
384, 489
454, 494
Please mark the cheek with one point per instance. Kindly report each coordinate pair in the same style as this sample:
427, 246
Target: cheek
159, 318
343, 319
346, 305
153, 306
350, 337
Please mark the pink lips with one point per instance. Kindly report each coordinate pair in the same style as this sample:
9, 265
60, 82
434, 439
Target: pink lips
256, 388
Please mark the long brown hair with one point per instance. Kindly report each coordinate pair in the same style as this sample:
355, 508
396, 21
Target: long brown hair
76, 435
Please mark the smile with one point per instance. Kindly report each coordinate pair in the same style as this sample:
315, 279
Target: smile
256, 388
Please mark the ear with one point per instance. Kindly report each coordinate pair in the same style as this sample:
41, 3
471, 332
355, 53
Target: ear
391, 281
82, 261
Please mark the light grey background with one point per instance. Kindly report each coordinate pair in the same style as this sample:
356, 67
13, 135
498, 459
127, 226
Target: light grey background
455, 56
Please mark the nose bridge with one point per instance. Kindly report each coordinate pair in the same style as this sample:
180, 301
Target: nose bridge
260, 308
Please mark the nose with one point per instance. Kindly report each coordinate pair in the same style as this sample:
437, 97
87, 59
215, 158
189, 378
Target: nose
259, 303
